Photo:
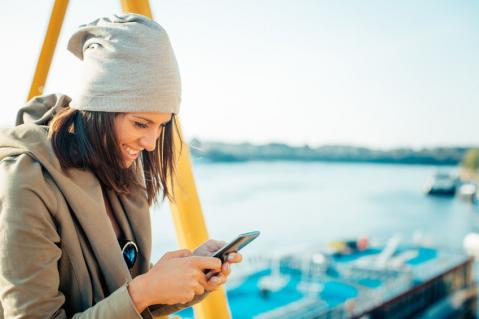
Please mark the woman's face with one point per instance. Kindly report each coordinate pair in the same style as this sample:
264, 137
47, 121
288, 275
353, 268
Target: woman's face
137, 131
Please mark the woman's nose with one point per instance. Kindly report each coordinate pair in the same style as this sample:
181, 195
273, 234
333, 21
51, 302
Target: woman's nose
148, 141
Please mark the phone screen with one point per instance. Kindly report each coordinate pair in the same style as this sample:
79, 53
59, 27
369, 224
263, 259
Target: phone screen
234, 246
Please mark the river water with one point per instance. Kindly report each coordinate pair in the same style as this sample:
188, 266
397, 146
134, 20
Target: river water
296, 203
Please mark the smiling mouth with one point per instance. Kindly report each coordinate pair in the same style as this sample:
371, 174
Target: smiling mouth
131, 152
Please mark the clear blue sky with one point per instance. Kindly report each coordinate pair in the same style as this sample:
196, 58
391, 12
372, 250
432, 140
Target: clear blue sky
373, 73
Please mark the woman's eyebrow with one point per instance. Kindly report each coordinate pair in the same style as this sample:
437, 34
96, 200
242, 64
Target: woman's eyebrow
150, 121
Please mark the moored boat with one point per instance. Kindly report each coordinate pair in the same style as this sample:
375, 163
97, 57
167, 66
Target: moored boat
441, 184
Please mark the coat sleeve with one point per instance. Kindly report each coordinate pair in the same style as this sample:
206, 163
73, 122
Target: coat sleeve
30, 248
163, 310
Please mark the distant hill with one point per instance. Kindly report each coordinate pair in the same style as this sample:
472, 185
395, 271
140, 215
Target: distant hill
223, 152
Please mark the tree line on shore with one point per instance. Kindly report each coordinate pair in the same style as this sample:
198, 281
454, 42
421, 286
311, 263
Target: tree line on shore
468, 157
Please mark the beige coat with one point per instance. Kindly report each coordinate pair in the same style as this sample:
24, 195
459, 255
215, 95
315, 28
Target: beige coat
59, 256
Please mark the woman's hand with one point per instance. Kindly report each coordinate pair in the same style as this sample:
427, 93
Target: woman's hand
207, 249
175, 279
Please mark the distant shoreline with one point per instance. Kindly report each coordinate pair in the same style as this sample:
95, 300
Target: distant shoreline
219, 152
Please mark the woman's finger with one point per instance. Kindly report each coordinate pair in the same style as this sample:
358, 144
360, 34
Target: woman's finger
215, 282
214, 245
220, 279
234, 258
226, 269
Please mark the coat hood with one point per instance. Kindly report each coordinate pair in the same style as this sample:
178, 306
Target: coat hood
30, 133
41, 109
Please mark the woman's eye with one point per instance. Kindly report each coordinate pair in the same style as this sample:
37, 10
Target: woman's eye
140, 125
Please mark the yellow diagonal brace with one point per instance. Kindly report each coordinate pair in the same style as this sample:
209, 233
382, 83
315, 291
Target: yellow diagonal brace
191, 230
137, 6
190, 225
48, 48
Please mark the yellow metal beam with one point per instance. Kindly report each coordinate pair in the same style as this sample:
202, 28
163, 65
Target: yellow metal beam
48, 48
191, 230
187, 214
137, 6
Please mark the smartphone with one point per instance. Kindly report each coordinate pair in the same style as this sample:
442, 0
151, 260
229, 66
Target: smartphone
233, 246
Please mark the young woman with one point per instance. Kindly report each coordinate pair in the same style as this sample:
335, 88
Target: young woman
78, 177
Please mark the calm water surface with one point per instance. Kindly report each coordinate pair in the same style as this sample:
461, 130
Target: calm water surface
313, 203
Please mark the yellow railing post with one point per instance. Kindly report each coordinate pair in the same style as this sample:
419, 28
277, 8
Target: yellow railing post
187, 215
48, 48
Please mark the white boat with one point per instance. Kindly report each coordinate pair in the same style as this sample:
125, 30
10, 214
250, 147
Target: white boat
468, 192
441, 184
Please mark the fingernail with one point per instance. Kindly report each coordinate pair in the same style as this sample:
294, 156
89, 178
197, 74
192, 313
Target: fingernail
214, 280
231, 257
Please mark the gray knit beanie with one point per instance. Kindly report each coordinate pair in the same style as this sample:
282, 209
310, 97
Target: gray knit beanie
128, 66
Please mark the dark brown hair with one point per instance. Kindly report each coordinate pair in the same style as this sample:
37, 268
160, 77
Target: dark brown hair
86, 140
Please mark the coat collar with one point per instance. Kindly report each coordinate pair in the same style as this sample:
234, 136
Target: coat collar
82, 191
